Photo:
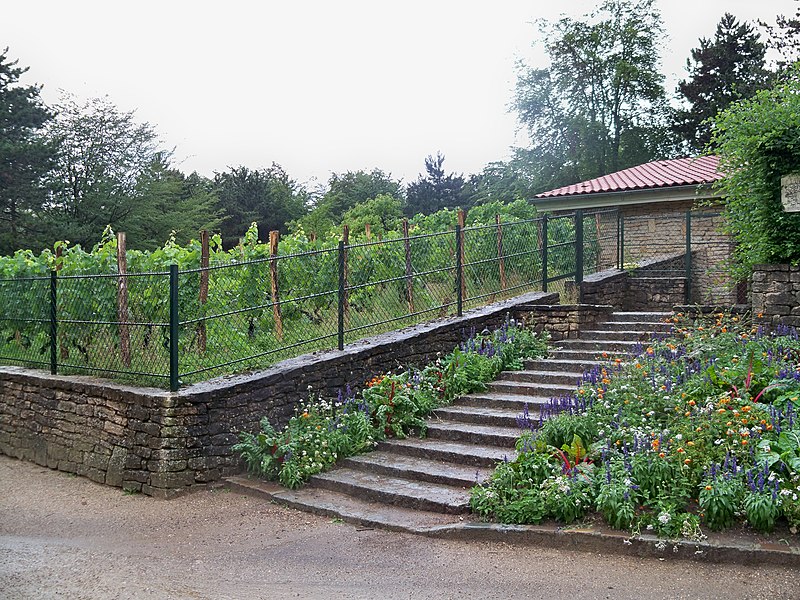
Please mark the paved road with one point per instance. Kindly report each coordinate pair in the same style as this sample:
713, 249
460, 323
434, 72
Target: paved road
66, 537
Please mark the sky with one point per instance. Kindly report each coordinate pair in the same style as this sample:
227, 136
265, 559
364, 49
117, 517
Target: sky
318, 86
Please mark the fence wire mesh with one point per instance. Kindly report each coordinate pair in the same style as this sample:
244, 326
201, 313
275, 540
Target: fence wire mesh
168, 328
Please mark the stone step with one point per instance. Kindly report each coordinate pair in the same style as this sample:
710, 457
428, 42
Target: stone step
514, 402
600, 345
462, 453
418, 468
541, 376
647, 317
489, 435
588, 355
560, 364
616, 336
635, 326
396, 491
353, 510
548, 390
484, 415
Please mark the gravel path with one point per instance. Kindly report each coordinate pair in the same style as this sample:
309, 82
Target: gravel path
66, 537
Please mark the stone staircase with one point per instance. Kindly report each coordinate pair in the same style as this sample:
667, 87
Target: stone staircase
425, 482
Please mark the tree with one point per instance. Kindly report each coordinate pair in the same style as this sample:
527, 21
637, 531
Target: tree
722, 70
434, 190
757, 140
170, 204
24, 155
785, 39
600, 106
102, 154
268, 197
383, 213
356, 187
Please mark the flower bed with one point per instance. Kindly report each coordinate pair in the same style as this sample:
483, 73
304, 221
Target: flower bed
700, 429
393, 404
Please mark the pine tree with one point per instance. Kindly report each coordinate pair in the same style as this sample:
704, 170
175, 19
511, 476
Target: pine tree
722, 70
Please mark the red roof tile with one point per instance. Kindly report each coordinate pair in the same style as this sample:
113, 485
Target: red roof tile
658, 174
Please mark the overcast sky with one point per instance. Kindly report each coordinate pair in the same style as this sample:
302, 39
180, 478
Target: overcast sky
318, 86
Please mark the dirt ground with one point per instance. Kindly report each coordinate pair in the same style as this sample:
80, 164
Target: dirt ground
65, 537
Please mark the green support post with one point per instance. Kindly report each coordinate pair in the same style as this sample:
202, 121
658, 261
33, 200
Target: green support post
53, 323
544, 252
578, 247
459, 273
173, 328
688, 292
620, 241
340, 327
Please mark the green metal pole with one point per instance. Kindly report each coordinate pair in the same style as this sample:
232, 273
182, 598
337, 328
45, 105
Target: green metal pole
578, 246
53, 323
340, 327
620, 233
173, 328
544, 252
459, 273
688, 288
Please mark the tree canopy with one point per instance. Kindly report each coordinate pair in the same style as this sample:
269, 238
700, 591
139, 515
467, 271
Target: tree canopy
435, 190
600, 105
722, 70
758, 140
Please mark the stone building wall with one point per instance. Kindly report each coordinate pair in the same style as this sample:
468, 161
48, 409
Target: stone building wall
160, 443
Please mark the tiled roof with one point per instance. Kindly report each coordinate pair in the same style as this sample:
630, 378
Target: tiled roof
658, 174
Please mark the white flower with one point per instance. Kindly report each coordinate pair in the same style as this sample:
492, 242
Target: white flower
664, 518
679, 436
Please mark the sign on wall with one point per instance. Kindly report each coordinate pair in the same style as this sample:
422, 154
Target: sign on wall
790, 193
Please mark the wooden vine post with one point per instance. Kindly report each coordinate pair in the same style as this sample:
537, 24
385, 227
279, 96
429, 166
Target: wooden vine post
500, 257
368, 231
461, 219
122, 300
409, 270
274, 237
202, 339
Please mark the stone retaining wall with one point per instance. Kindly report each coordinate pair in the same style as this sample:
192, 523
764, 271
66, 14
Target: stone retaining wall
159, 443
775, 295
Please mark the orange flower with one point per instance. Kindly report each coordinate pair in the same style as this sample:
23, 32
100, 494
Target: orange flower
687, 461
661, 454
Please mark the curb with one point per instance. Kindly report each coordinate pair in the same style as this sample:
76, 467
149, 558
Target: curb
601, 540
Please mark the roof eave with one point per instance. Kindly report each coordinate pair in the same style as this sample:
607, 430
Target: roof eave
602, 199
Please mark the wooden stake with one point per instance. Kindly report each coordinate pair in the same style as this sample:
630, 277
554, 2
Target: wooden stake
274, 236
368, 230
204, 260
409, 270
122, 301
500, 256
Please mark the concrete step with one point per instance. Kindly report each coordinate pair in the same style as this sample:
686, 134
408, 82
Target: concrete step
515, 402
617, 336
548, 390
489, 435
343, 506
418, 468
484, 415
396, 491
541, 376
462, 453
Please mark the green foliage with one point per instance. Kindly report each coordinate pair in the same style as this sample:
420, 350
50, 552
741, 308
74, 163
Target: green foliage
720, 500
600, 105
383, 213
721, 71
757, 140
434, 190
24, 155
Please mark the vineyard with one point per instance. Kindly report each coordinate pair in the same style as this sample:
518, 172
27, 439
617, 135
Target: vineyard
183, 314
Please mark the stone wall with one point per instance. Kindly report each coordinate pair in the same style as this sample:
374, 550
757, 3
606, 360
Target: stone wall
160, 443
564, 321
775, 295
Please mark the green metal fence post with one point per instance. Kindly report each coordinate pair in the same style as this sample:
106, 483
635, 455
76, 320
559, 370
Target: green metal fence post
688, 288
340, 327
173, 328
459, 274
620, 239
544, 252
578, 246
53, 323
